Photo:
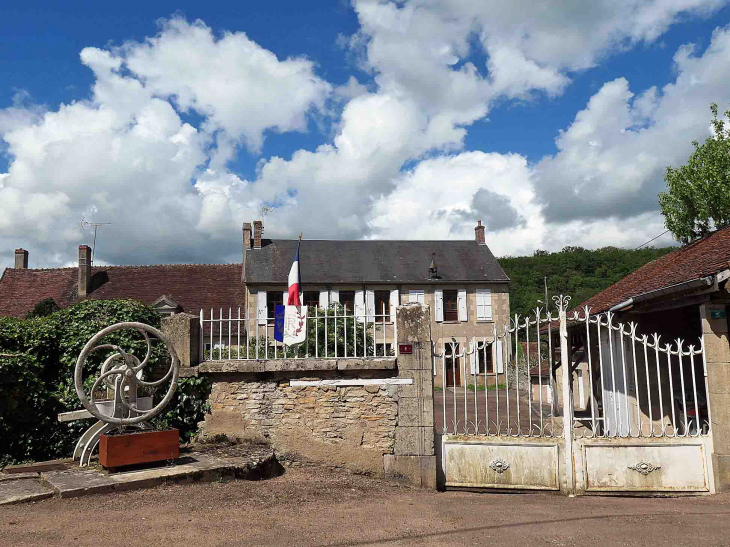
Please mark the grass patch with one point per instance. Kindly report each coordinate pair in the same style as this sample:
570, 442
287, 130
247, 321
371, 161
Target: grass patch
438, 388
492, 387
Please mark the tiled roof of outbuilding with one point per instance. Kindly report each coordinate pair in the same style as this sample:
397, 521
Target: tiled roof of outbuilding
373, 261
193, 286
701, 258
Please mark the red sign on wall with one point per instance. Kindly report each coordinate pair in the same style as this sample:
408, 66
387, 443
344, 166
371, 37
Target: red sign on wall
405, 348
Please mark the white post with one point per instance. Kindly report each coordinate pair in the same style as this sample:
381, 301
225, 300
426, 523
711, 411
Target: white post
567, 396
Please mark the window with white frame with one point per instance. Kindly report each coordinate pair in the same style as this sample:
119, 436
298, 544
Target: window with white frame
484, 304
417, 295
451, 305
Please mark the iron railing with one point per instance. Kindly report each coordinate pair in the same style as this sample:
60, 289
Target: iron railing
332, 332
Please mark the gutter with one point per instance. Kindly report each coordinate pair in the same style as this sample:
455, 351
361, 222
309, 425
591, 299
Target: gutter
700, 282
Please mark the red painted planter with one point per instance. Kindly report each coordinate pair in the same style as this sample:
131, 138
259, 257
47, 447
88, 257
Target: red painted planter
139, 447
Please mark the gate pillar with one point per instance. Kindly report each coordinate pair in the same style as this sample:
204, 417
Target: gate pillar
414, 459
717, 376
567, 381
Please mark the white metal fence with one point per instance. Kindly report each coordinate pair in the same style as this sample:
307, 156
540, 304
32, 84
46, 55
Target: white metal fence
640, 386
332, 332
499, 401
631, 384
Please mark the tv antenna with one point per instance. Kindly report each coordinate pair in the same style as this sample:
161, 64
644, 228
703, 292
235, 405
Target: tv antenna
96, 226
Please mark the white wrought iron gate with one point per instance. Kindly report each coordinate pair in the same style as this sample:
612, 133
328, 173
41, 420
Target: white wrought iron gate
599, 409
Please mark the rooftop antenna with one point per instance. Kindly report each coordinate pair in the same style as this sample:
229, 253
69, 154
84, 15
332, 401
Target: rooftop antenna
96, 226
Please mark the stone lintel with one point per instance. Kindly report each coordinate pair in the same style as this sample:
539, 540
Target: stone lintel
188, 372
295, 365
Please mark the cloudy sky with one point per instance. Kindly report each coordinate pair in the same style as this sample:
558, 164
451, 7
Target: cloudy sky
552, 122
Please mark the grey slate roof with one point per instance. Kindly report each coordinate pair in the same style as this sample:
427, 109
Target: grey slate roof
337, 261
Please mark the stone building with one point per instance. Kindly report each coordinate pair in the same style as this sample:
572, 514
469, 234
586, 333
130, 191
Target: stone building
460, 281
169, 288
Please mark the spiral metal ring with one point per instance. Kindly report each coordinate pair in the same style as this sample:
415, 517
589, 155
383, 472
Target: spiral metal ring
126, 369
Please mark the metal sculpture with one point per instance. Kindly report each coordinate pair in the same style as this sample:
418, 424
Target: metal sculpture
121, 373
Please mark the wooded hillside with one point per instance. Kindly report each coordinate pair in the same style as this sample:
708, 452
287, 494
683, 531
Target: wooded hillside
574, 271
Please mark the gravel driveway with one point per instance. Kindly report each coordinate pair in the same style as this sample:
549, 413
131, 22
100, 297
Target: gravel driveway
314, 506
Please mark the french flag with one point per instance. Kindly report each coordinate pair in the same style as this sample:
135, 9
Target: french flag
295, 281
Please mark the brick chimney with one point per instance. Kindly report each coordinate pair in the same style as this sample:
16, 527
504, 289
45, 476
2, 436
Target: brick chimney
84, 269
258, 232
21, 259
479, 233
246, 235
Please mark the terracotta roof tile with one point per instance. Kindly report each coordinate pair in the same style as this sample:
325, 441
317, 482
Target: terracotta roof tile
193, 286
701, 258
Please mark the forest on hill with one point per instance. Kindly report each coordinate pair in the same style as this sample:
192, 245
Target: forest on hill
574, 271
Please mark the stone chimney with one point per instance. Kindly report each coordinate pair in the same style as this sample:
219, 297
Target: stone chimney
21, 259
258, 232
84, 269
246, 235
479, 233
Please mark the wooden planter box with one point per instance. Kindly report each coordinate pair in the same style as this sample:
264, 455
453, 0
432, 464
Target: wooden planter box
139, 447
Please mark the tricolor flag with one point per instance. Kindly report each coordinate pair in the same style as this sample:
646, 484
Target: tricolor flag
295, 281
290, 326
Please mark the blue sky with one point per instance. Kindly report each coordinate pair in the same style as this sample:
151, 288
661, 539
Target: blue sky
350, 119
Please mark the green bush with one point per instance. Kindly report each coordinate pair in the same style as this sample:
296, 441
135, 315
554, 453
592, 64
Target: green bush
44, 308
37, 368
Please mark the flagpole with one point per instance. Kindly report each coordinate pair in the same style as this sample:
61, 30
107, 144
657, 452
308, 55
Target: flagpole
299, 309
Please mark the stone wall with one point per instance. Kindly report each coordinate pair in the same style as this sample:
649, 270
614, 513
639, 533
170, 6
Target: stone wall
349, 426
380, 427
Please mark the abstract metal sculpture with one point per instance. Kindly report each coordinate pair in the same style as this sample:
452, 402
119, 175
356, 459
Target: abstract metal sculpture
121, 373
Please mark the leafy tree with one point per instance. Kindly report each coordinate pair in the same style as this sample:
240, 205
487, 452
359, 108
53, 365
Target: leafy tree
698, 197
575, 271
44, 308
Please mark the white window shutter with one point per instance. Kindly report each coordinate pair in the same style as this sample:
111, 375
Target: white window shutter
360, 305
262, 312
335, 296
324, 299
484, 304
439, 296
462, 305
394, 303
370, 305
500, 362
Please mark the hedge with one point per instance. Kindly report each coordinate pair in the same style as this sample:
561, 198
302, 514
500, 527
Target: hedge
36, 377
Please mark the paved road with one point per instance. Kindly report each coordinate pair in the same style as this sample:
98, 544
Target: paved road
315, 507
488, 400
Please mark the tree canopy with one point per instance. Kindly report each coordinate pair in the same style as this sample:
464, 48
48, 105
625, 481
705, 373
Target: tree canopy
697, 200
574, 271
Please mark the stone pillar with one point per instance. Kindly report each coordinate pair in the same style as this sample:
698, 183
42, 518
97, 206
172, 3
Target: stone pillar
21, 259
258, 233
717, 355
84, 269
183, 332
414, 459
479, 233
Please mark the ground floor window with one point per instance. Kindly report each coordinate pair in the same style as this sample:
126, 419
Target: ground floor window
485, 360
